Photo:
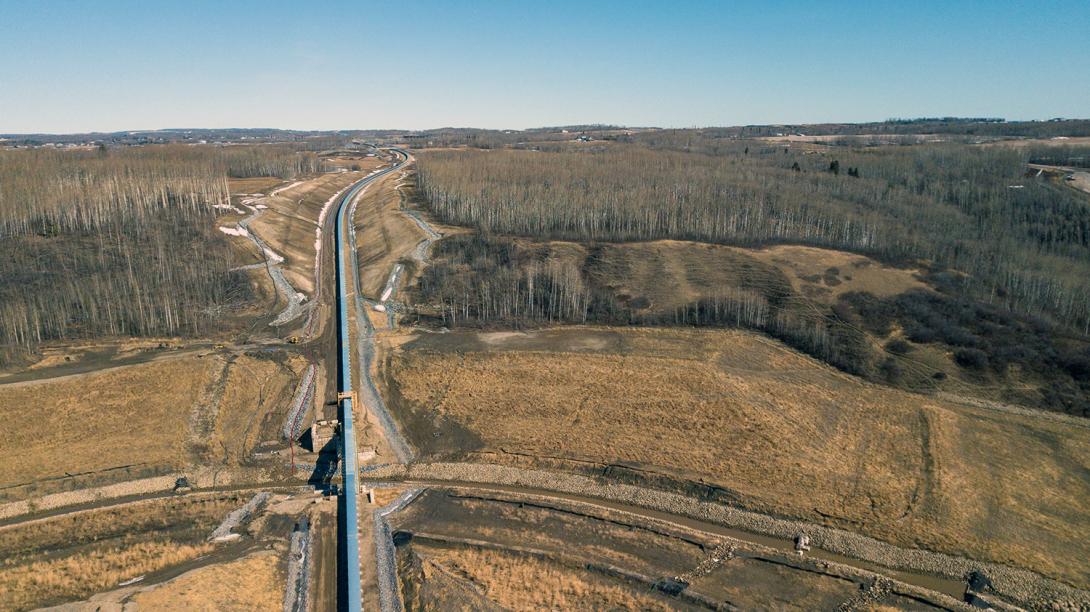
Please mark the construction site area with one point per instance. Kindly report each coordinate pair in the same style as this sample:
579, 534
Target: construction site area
549, 463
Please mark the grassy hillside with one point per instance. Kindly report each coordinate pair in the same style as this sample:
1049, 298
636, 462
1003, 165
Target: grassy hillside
780, 432
994, 264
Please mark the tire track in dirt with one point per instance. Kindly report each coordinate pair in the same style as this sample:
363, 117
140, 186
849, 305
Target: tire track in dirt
205, 411
923, 497
932, 571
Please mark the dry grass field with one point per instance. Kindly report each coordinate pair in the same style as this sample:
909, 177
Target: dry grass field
82, 574
522, 582
73, 556
519, 582
783, 432
255, 398
254, 582
120, 416
670, 274
824, 274
254, 184
155, 417
383, 235
288, 224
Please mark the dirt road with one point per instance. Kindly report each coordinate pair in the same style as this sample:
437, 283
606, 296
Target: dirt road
1078, 178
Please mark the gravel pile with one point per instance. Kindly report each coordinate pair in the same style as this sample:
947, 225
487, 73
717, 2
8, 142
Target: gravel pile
237, 516
304, 396
296, 596
385, 557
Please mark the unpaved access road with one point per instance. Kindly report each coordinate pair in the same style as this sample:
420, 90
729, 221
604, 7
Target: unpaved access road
1079, 178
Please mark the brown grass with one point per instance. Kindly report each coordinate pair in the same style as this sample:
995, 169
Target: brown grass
254, 184
256, 389
82, 574
139, 416
254, 582
365, 163
383, 235
288, 225
73, 556
127, 415
386, 495
788, 434
672, 273
824, 274
24, 540
520, 582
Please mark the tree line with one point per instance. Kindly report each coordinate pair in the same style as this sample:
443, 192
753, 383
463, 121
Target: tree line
121, 241
1024, 242
483, 280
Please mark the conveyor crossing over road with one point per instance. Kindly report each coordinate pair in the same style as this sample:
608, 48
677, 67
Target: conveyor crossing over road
350, 573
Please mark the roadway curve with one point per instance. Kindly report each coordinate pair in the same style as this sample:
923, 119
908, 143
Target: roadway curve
350, 519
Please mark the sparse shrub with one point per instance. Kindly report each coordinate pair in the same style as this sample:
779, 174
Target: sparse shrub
959, 336
1078, 366
971, 358
843, 311
875, 314
898, 347
920, 334
891, 371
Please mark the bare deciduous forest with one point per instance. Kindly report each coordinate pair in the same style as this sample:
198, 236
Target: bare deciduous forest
1006, 252
961, 207
121, 241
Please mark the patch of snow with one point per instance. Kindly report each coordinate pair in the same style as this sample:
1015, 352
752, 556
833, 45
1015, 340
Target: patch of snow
273, 256
234, 231
318, 234
285, 188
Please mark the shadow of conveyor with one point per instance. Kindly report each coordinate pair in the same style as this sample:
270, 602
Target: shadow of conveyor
325, 467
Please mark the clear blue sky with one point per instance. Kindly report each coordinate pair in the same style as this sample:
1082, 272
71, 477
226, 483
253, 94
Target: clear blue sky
113, 65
